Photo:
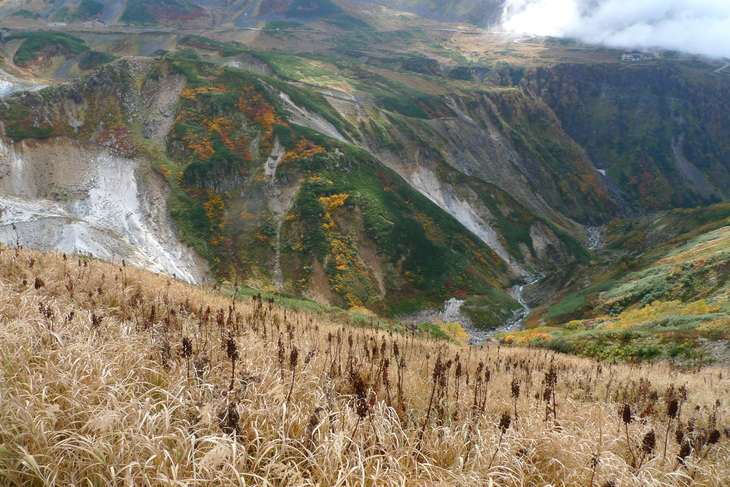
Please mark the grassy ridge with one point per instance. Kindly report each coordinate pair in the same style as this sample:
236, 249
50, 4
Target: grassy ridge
36, 41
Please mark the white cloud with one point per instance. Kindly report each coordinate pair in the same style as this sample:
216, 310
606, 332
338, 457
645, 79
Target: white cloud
696, 26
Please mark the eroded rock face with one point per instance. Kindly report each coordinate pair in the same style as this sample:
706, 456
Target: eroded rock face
69, 196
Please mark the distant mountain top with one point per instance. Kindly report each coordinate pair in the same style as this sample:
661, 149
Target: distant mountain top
240, 12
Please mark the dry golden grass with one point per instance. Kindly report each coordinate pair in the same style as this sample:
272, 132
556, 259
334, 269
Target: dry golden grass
110, 375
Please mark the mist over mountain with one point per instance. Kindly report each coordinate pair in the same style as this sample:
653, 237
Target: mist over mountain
700, 27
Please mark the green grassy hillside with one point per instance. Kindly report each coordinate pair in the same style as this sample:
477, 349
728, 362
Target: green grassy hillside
152, 12
50, 43
658, 292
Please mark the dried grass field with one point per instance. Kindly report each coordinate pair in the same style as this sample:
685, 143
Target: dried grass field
110, 375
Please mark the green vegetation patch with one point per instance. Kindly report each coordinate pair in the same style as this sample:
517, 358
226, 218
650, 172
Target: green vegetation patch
434, 331
490, 310
60, 15
199, 42
284, 24
575, 305
93, 59
192, 69
26, 13
633, 346
397, 97
137, 13
312, 8
347, 22
151, 12
88, 9
21, 122
35, 42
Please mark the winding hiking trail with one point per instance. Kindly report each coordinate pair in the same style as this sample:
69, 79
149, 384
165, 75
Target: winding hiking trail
720, 69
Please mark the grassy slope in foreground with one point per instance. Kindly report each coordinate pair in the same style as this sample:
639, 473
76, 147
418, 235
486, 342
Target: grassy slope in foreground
114, 374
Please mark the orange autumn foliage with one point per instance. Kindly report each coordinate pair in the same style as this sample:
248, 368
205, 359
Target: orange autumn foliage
303, 150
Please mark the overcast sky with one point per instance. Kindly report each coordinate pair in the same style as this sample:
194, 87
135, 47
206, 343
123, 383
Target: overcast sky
696, 26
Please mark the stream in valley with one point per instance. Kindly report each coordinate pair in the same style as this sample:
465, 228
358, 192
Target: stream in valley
452, 312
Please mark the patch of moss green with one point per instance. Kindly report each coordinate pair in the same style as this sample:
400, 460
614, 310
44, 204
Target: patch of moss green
575, 305
88, 9
434, 331
491, 309
347, 22
34, 42
632, 346
21, 123
190, 68
94, 59
199, 42
150, 12
312, 8
26, 13
60, 15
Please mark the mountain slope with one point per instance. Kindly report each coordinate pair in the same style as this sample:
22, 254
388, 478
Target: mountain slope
240, 12
339, 174
111, 373
674, 154
658, 292
263, 199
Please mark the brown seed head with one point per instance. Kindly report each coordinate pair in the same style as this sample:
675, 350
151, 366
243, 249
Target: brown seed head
714, 437
515, 388
679, 436
649, 442
232, 348
505, 422
626, 414
294, 358
672, 408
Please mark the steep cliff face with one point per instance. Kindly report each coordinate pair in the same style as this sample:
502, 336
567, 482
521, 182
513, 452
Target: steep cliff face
69, 196
658, 129
75, 170
500, 165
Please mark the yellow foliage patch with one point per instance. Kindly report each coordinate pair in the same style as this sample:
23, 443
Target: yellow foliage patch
455, 331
